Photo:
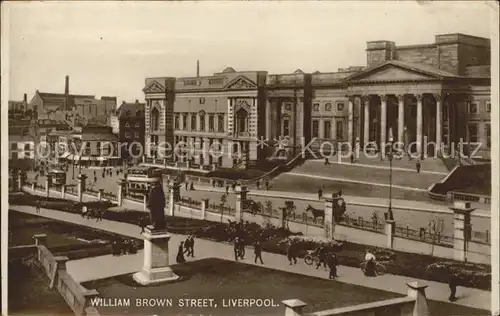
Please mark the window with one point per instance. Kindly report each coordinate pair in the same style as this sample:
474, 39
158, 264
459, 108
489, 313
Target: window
340, 106
488, 135
137, 125
211, 123
286, 127
340, 130
288, 106
328, 107
136, 134
155, 119
138, 113
13, 146
241, 121
184, 121
473, 137
127, 113
445, 135
327, 129
445, 112
127, 134
191, 82
202, 100
127, 124
87, 148
176, 122
220, 123
202, 122
193, 122
215, 81
473, 108
315, 128
488, 107
316, 107
154, 139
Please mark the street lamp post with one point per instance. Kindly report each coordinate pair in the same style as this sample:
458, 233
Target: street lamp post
390, 156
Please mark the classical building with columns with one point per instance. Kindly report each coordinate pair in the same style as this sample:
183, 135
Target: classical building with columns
436, 93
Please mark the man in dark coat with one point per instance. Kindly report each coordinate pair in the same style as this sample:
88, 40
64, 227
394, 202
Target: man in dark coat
291, 253
156, 205
258, 252
236, 248
332, 265
452, 283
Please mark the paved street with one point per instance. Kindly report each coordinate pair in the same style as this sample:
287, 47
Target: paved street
109, 265
413, 218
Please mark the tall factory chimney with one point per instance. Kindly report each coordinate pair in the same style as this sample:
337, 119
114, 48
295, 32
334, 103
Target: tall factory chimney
66, 87
197, 68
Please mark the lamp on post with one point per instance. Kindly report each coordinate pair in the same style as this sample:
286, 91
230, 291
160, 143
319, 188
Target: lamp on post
390, 156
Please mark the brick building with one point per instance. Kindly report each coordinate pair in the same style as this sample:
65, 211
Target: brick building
437, 92
131, 128
73, 108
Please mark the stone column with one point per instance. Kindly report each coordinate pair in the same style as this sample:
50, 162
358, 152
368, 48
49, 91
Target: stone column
390, 227
439, 127
20, 180
60, 266
63, 191
401, 118
156, 267
81, 186
419, 124
33, 187
121, 191
241, 196
366, 100
329, 218
417, 291
204, 206
294, 307
462, 229
383, 123
100, 194
321, 128
145, 203
350, 120
48, 184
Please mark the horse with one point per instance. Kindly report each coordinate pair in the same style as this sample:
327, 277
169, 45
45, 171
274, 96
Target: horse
253, 207
315, 212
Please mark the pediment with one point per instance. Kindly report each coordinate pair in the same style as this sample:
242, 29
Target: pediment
242, 105
154, 87
390, 73
241, 82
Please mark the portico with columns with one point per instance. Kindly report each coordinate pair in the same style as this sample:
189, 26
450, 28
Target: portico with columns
410, 103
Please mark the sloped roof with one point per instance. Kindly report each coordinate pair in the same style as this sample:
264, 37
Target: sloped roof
132, 107
45, 95
99, 137
416, 68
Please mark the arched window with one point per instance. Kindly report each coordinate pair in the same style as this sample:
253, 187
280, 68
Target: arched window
155, 119
127, 113
241, 121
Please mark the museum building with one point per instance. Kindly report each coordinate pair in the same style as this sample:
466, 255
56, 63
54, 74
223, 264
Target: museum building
438, 92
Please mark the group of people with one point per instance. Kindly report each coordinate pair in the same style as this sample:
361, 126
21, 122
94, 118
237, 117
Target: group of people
185, 248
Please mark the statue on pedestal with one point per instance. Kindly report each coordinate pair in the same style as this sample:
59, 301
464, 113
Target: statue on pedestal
156, 205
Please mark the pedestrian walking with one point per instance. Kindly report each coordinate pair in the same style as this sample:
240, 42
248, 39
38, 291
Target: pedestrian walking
327, 162
191, 247
332, 265
180, 253
227, 189
234, 186
352, 158
320, 193
213, 183
241, 248
418, 165
452, 283
258, 252
291, 253
236, 249
258, 184
38, 207
187, 186
192, 186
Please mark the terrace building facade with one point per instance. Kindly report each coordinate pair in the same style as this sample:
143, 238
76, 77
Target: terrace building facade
436, 96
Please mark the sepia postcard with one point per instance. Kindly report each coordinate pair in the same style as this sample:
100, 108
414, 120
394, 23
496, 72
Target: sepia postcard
244, 158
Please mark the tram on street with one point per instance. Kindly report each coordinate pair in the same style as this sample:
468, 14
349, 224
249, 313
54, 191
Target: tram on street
140, 179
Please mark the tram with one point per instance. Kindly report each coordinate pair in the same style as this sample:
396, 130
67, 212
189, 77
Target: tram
140, 179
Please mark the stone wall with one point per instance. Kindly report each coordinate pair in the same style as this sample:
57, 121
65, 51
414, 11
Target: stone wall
419, 54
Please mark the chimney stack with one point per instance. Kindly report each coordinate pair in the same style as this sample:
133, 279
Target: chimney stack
25, 98
136, 101
197, 68
66, 87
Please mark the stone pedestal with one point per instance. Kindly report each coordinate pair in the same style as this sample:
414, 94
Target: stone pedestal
462, 229
156, 267
294, 307
121, 191
100, 194
81, 186
63, 191
204, 206
241, 196
416, 290
390, 228
329, 218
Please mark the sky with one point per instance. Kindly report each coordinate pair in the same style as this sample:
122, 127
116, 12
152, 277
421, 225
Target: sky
109, 48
